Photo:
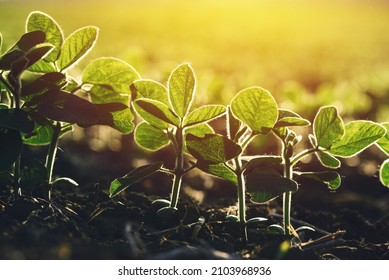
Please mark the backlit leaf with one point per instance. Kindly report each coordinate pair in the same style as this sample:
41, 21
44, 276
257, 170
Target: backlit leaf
330, 178
358, 136
111, 72
328, 160
117, 116
265, 184
30, 40
383, 142
44, 83
204, 114
54, 35
384, 173
150, 137
10, 147
42, 66
151, 90
181, 86
274, 162
328, 126
76, 46
212, 148
134, 176
289, 118
105, 94
158, 110
219, 171
257, 108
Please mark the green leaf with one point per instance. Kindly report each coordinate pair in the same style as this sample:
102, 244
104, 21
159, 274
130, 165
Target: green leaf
274, 162
383, 142
105, 94
212, 148
76, 46
134, 176
199, 130
9, 58
54, 35
219, 171
158, 110
257, 108
384, 173
16, 119
204, 114
42, 66
44, 83
330, 178
233, 124
41, 136
151, 90
328, 126
181, 86
328, 160
117, 116
265, 184
111, 72
37, 53
150, 137
358, 136
10, 147
289, 118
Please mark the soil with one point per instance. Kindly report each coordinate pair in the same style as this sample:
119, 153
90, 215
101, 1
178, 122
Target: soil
84, 223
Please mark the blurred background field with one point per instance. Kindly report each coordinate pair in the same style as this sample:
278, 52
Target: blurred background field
307, 53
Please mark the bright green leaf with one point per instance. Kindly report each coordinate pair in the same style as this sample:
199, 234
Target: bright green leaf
383, 142
182, 83
384, 173
54, 35
42, 66
219, 171
41, 136
158, 110
212, 148
76, 46
115, 115
151, 90
150, 137
330, 178
328, 126
200, 130
134, 176
105, 94
111, 72
265, 184
10, 147
257, 108
204, 114
328, 160
358, 136
289, 118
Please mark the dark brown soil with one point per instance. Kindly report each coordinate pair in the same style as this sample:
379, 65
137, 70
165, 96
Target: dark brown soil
84, 223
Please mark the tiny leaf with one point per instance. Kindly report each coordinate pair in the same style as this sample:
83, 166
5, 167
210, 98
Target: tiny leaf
358, 136
158, 110
54, 35
150, 137
328, 160
111, 72
212, 148
328, 126
76, 46
204, 114
330, 178
384, 173
257, 108
265, 184
181, 89
383, 142
134, 176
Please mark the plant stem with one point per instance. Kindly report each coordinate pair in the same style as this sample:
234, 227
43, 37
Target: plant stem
287, 197
304, 153
50, 159
241, 191
179, 168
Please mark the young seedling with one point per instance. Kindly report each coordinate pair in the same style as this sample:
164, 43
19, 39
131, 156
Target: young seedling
252, 112
330, 139
167, 118
42, 103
